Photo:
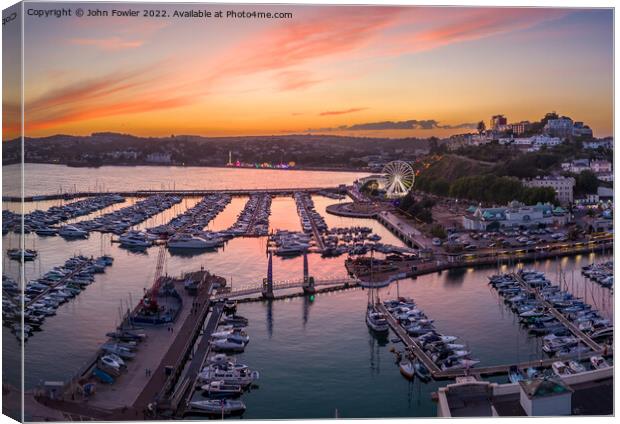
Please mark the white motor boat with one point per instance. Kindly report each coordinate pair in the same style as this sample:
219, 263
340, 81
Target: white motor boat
134, 239
188, 241
243, 377
234, 334
116, 358
121, 351
110, 362
220, 388
227, 344
219, 406
70, 231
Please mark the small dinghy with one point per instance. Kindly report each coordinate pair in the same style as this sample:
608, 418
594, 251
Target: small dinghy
421, 371
406, 369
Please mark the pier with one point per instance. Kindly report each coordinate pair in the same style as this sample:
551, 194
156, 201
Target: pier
165, 351
274, 192
315, 231
402, 229
412, 344
190, 381
60, 282
439, 374
572, 327
260, 206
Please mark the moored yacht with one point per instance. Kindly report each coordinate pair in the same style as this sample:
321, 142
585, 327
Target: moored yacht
219, 406
376, 321
134, 239
71, 231
189, 241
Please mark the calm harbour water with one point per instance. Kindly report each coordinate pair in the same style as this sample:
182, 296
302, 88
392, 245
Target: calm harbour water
314, 357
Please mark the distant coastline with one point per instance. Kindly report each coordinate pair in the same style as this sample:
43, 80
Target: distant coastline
296, 168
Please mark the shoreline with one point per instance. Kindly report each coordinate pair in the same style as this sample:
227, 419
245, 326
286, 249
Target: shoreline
171, 165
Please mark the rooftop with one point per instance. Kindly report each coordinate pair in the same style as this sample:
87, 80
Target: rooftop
471, 399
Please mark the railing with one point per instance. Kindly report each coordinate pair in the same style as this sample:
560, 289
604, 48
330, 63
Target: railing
283, 285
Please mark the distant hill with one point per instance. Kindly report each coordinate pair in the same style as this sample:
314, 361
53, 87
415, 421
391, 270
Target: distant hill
305, 150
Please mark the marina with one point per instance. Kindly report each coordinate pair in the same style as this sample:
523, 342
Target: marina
268, 289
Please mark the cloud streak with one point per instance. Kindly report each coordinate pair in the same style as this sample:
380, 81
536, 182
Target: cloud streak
471, 25
342, 112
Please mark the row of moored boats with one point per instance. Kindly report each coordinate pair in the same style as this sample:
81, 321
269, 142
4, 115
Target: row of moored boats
253, 220
532, 302
41, 222
601, 273
444, 350
44, 295
121, 220
223, 379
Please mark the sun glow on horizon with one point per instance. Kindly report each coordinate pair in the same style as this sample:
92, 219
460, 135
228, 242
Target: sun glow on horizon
328, 70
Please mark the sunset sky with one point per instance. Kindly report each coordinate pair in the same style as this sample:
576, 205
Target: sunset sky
334, 70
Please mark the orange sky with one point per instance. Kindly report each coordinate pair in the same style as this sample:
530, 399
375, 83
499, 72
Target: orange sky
328, 69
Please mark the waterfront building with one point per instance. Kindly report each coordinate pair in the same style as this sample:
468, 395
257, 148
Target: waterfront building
513, 215
563, 186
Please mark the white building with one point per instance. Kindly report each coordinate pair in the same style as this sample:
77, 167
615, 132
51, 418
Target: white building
543, 140
561, 127
513, 215
563, 186
600, 166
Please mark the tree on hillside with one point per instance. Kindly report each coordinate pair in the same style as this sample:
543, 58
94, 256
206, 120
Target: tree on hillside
586, 182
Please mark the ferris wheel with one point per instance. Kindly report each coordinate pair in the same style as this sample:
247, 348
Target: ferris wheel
399, 177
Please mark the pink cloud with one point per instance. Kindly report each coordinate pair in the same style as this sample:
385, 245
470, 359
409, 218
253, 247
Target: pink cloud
473, 25
284, 46
342, 112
